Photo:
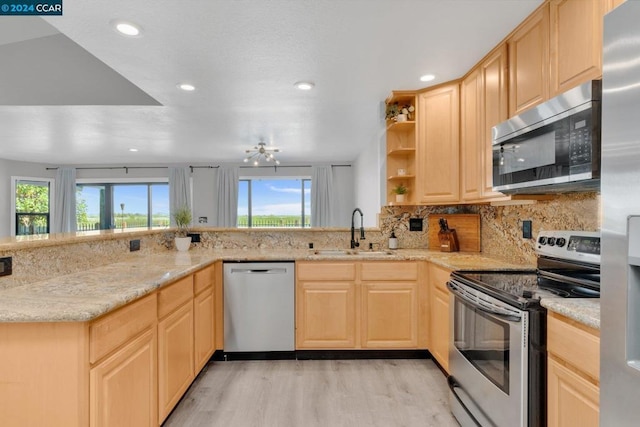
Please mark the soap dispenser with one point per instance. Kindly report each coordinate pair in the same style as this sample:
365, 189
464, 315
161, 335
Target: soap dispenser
393, 241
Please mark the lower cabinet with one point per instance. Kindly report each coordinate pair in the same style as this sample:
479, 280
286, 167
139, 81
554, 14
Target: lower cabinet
439, 328
573, 373
123, 387
358, 305
203, 328
175, 358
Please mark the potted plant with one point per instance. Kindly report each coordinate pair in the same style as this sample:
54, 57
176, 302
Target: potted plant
400, 191
182, 217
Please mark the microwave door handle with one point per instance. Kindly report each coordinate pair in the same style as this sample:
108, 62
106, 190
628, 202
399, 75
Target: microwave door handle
497, 312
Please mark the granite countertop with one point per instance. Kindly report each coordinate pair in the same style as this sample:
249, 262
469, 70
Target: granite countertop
583, 310
89, 294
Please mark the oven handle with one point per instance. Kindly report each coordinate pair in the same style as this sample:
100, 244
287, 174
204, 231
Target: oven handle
456, 390
496, 311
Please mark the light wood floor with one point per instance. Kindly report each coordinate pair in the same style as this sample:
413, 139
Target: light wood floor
316, 393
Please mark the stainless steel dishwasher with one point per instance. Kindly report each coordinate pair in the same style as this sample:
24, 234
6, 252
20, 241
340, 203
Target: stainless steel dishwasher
259, 307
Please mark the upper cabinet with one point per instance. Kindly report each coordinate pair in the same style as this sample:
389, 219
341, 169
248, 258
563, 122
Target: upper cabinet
576, 43
529, 62
401, 147
438, 150
483, 104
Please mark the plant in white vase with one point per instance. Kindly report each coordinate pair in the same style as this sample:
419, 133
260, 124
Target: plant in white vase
400, 191
182, 217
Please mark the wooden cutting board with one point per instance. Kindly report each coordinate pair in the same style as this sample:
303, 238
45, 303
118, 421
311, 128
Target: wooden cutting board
467, 228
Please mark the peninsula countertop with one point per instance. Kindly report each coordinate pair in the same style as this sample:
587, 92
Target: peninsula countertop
89, 294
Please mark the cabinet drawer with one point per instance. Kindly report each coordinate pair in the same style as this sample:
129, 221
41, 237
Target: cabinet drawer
389, 271
326, 271
111, 331
173, 296
576, 344
204, 279
439, 277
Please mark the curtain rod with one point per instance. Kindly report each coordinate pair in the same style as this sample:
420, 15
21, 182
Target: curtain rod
126, 168
290, 166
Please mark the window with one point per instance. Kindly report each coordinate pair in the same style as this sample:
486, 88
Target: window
32, 206
126, 205
284, 202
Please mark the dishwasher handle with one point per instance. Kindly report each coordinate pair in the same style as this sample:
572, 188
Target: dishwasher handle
258, 271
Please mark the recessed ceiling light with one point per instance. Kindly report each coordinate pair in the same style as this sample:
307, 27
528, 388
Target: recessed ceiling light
304, 85
128, 29
186, 87
427, 78
133, 150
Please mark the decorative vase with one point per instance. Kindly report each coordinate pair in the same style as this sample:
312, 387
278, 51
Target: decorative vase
401, 118
183, 243
399, 198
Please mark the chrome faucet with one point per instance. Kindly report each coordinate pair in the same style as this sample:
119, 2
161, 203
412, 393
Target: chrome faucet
354, 243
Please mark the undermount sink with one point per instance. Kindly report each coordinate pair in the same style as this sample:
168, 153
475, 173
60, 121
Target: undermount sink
339, 252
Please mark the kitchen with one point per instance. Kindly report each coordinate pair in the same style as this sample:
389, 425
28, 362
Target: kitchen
501, 221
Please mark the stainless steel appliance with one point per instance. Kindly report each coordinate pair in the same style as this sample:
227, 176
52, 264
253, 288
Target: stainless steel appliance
552, 147
497, 354
620, 308
259, 308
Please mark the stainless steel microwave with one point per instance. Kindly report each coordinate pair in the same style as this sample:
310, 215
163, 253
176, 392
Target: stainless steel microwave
553, 147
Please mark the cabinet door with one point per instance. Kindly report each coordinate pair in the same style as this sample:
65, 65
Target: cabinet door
440, 327
326, 315
203, 328
471, 144
390, 315
175, 357
529, 62
123, 387
572, 400
439, 145
576, 43
494, 106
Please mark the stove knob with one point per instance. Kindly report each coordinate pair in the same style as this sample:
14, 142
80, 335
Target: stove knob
561, 242
542, 240
551, 241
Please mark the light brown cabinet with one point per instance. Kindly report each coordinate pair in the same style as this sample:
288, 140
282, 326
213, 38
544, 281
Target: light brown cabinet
573, 373
354, 305
438, 149
204, 316
576, 43
127, 367
471, 143
529, 62
439, 335
123, 387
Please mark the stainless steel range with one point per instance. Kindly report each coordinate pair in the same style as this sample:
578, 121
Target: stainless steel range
497, 354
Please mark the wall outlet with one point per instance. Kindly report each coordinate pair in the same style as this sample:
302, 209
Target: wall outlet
526, 229
195, 237
134, 245
5, 266
415, 224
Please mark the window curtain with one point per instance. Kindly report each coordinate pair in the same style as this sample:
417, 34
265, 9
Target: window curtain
64, 220
179, 190
227, 206
321, 196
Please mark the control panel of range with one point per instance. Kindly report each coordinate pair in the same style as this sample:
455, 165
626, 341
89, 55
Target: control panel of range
567, 244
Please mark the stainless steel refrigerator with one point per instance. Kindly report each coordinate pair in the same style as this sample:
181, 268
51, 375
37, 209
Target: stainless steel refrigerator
620, 180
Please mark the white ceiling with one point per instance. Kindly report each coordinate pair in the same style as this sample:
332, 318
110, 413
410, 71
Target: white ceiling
73, 91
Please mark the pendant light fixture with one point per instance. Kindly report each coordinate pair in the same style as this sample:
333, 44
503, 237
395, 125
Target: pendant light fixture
261, 152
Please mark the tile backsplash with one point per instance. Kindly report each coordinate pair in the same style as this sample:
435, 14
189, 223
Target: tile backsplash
501, 226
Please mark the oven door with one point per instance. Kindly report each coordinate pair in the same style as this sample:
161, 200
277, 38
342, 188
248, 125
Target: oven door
487, 359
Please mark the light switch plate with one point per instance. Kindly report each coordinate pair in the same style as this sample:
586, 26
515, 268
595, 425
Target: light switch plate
415, 224
5, 266
526, 229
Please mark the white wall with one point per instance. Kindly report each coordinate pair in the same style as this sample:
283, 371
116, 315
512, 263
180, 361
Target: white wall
9, 168
370, 182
